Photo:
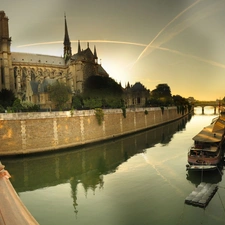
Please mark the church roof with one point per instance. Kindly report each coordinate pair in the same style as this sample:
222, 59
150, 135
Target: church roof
86, 55
19, 57
138, 87
101, 71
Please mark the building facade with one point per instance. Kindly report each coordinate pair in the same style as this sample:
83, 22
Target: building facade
29, 75
136, 95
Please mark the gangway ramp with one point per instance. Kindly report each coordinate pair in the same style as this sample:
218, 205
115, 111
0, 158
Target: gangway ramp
202, 195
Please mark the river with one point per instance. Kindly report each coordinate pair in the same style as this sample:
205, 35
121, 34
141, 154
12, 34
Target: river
137, 179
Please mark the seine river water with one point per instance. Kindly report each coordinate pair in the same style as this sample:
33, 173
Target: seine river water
139, 179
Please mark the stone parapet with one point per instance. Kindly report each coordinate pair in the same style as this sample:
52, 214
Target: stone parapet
24, 133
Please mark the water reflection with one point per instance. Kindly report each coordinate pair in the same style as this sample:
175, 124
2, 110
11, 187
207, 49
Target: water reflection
213, 177
208, 110
85, 166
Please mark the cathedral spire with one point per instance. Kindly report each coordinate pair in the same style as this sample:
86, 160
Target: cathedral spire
79, 50
67, 44
95, 55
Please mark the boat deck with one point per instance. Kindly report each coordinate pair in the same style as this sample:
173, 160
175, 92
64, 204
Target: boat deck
202, 195
200, 167
12, 210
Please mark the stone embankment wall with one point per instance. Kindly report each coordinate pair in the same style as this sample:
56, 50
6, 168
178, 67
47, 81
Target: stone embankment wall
23, 133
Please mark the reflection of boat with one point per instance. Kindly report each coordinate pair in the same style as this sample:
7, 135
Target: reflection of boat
207, 151
208, 176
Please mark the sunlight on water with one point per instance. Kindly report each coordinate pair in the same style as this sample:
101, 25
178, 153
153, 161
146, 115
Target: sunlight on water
208, 110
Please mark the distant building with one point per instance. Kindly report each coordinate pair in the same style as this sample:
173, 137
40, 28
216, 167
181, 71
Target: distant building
136, 95
29, 75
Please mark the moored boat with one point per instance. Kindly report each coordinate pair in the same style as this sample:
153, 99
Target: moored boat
207, 150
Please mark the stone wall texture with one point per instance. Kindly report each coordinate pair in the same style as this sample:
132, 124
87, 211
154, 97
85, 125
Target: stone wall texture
24, 133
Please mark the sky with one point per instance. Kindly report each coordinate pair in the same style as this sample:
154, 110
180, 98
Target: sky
176, 42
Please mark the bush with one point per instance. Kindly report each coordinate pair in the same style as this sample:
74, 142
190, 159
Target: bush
2, 110
17, 107
92, 103
99, 115
77, 102
124, 112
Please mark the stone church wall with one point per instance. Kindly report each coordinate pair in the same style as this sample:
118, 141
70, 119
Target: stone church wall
23, 133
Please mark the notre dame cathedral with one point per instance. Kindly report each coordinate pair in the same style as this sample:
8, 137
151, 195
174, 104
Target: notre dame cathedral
29, 75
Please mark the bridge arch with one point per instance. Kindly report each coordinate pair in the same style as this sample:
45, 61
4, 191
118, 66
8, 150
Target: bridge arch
203, 104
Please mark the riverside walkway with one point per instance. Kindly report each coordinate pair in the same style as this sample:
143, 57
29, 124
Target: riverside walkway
12, 210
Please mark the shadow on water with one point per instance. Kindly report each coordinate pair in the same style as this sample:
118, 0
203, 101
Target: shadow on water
85, 165
196, 177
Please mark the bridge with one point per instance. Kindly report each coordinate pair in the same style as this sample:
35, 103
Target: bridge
216, 104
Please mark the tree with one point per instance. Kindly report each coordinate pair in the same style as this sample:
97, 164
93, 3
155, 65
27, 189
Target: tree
99, 86
223, 101
162, 90
179, 100
17, 107
162, 94
2, 110
77, 102
29, 107
59, 94
104, 89
7, 98
92, 103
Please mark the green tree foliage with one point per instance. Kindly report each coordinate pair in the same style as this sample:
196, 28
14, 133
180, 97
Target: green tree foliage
178, 100
154, 102
162, 90
77, 102
99, 115
17, 107
2, 110
60, 94
161, 95
92, 103
112, 102
29, 107
104, 89
98, 86
223, 101
7, 98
